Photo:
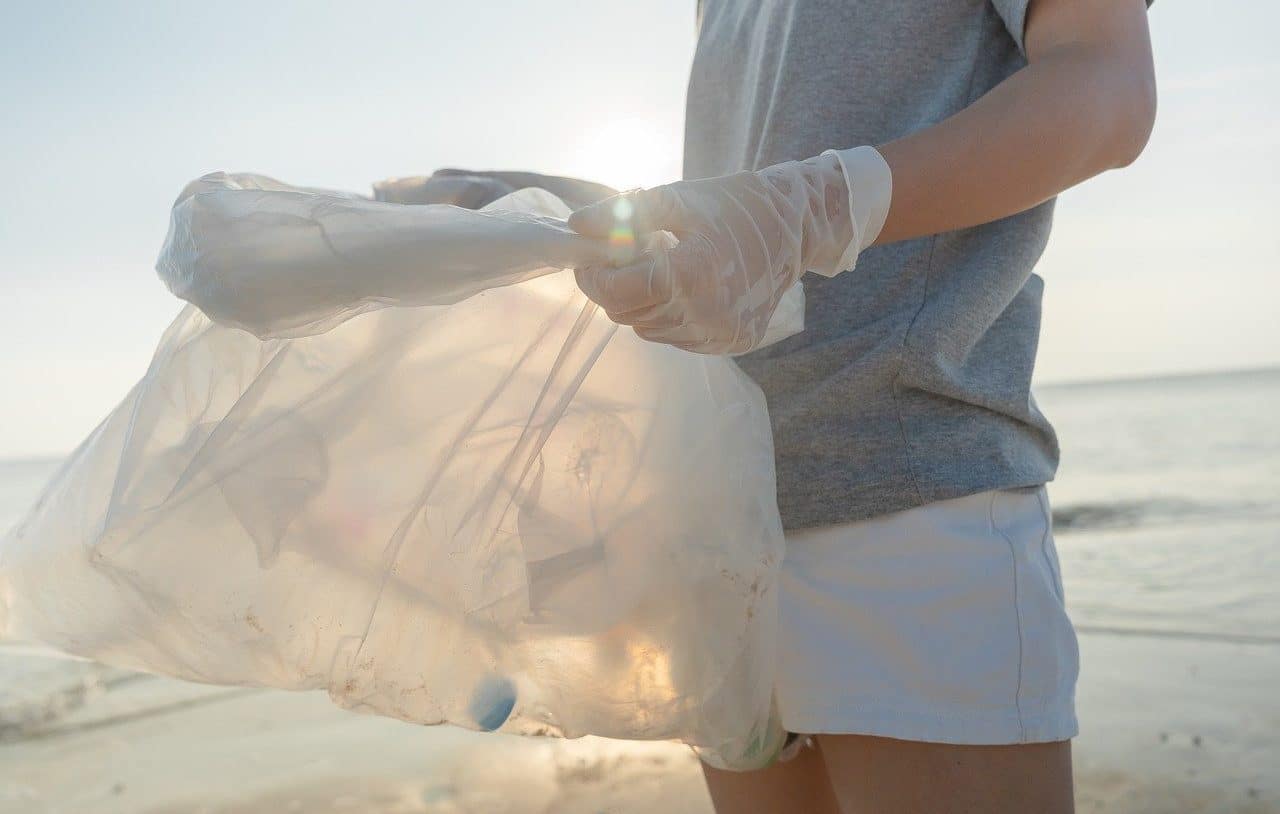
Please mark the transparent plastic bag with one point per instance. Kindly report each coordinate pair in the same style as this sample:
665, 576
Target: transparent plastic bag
493, 509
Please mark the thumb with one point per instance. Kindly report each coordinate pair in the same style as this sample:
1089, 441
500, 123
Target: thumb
603, 219
626, 219
611, 221
639, 211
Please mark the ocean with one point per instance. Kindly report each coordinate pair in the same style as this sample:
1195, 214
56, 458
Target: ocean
1167, 504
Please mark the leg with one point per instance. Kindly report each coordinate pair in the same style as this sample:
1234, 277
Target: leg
940, 623
885, 776
799, 785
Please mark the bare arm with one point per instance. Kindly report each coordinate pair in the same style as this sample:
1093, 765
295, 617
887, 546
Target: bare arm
1084, 104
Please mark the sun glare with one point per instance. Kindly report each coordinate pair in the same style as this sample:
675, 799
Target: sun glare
627, 153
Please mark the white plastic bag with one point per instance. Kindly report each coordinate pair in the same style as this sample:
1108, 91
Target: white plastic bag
493, 509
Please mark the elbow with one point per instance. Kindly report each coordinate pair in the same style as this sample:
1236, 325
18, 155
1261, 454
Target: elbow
1136, 118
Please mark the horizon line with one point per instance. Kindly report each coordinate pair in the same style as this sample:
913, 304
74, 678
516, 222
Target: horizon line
1156, 377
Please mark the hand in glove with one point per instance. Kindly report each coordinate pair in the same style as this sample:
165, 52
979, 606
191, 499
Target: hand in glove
743, 240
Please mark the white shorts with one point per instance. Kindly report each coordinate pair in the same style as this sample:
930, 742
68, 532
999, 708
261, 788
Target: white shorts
943, 623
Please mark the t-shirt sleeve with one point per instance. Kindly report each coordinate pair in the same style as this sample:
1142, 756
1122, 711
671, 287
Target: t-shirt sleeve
1014, 14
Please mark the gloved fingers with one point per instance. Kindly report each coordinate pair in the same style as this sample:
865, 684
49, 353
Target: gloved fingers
660, 290
639, 212
661, 209
687, 337
679, 335
639, 317
630, 288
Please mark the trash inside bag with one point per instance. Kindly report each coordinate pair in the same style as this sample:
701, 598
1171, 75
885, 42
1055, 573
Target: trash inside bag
493, 508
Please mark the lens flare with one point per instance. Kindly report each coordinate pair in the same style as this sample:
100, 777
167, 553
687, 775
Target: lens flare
622, 237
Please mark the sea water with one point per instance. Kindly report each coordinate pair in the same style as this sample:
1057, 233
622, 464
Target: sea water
1167, 504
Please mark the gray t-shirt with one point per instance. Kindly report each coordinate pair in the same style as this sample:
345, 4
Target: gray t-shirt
912, 380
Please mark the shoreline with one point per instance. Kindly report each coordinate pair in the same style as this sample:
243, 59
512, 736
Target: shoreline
1167, 726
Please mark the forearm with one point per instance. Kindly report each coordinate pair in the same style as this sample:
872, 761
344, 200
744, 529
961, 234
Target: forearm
1077, 110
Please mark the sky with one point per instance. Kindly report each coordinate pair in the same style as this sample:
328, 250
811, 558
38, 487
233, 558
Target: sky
111, 107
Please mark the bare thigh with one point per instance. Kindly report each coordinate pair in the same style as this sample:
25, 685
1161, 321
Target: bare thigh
857, 774
799, 786
885, 776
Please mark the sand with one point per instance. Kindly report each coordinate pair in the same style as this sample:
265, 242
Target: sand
1169, 726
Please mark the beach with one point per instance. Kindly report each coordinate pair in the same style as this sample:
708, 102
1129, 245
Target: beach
1166, 530
1169, 726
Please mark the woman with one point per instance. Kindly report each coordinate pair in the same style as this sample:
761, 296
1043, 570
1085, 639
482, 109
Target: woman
924, 643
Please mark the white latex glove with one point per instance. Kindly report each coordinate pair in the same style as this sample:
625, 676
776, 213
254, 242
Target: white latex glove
743, 240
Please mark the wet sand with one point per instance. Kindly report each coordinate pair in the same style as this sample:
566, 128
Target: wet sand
1169, 726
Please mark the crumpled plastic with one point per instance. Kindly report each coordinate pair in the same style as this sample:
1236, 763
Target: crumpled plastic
487, 506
